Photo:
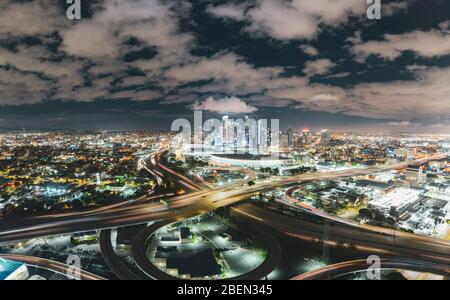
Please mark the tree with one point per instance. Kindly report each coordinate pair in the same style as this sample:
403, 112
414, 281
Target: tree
352, 197
272, 199
8, 209
365, 213
77, 204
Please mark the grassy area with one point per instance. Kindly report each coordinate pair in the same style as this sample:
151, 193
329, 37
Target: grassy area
261, 252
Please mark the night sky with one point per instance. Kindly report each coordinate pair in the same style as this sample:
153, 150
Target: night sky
140, 64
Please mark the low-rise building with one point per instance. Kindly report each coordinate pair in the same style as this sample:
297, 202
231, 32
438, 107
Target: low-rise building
397, 202
415, 175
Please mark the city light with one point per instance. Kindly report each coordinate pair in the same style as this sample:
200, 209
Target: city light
237, 141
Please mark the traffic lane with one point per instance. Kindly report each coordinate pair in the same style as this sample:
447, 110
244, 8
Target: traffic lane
217, 195
177, 203
377, 229
128, 216
112, 260
272, 183
106, 221
344, 268
139, 250
372, 242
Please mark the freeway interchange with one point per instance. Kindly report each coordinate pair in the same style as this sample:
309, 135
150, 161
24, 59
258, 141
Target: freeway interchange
204, 198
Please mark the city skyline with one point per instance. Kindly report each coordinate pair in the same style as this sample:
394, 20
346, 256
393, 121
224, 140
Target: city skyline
142, 64
76, 204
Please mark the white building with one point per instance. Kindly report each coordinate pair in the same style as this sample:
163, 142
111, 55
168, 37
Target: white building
398, 201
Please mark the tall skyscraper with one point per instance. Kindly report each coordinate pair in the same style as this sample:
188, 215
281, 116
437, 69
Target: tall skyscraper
284, 141
325, 136
290, 136
262, 137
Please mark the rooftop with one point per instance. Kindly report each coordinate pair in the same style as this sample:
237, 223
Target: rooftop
397, 198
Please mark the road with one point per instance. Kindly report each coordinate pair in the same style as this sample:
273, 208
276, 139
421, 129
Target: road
321, 214
112, 259
54, 266
178, 207
139, 250
407, 245
349, 267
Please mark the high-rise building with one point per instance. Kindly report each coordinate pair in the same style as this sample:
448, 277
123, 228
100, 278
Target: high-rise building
262, 135
285, 141
325, 136
414, 175
306, 135
226, 128
290, 136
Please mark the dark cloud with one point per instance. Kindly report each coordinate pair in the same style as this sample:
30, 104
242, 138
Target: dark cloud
321, 57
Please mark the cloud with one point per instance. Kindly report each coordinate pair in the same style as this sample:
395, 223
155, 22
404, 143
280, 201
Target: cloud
45, 77
19, 88
339, 75
438, 125
311, 51
400, 123
225, 72
115, 22
296, 19
445, 26
415, 67
91, 40
224, 105
27, 18
325, 97
429, 44
304, 95
318, 67
281, 20
394, 8
425, 97
81, 60
233, 12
